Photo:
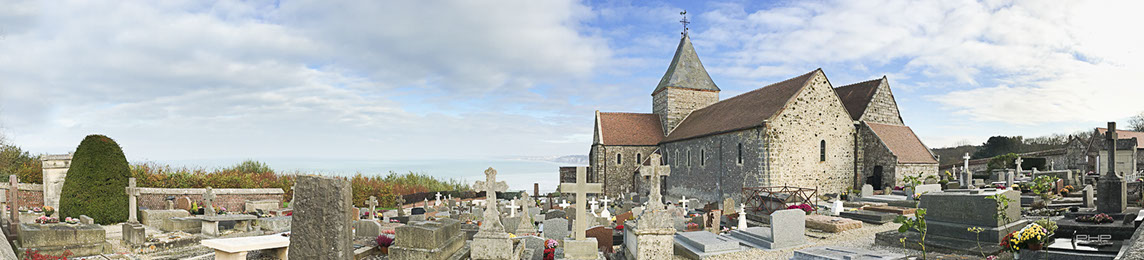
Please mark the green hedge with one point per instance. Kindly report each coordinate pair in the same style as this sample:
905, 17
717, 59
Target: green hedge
95, 182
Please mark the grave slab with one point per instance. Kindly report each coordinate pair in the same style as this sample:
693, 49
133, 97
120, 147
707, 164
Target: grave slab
702, 244
843, 253
873, 217
435, 240
831, 224
892, 209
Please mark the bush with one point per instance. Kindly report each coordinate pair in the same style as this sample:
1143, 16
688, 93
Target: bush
95, 182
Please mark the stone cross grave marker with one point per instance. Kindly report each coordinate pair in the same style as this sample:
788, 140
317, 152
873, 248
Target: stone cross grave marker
581, 188
437, 202
208, 202
606, 201
564, 204
400, 201
683, 202
657, 169
14, 202
491, 186
512, 208
965, 174
1018, 162
132, 207
1113, 190
372, 207
743, 216
595, 205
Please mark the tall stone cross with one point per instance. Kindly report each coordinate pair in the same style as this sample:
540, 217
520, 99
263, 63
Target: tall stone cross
1111, 137
581, 188
438, 201
14, 202
491, 186
208, 202
595, 205
655, 200
400, 201
372, 207
132, 208
1018, 162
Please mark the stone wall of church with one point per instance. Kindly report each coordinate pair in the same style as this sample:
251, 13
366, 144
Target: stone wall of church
882, 108
793, 138
617, 175
673, 104
875, 154
718, 168
912, 169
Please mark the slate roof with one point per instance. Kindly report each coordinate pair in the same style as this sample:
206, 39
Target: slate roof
747, 110
856, 97
630, 129
1121, 134
685, 70
902, 141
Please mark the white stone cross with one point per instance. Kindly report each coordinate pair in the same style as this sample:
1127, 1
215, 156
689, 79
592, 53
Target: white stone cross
564, 204
425, 203
654, 171
438, 201
581, 188
372, 207
512, 208
742, 217
966, 157
132, 192
491, 186
683, 201
595, 205
606, 201
208, 201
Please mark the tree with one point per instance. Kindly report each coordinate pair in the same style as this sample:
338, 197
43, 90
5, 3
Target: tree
95, 182
998, 145
1136, 122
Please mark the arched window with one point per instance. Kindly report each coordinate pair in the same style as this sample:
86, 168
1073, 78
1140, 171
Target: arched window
702, 157
740, 152
822, 151
639, 159
688, 157
619, 158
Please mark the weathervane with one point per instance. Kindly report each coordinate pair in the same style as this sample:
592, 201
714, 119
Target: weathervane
684, 22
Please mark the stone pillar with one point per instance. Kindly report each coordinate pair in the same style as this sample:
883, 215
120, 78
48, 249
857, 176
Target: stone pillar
14, 203
55, 170
132, 208
1113, 197
321, 222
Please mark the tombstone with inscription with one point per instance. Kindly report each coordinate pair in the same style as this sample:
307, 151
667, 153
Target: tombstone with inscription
440, 239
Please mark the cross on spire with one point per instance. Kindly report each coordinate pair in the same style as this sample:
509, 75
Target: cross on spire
684, 21
581, 188
654, 171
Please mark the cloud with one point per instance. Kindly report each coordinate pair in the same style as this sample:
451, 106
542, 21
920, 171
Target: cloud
301, 78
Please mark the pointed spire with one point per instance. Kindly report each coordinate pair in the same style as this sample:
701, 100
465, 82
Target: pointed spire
685, 70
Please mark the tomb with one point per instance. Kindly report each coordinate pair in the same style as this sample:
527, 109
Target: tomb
434, 240
242, 223
831, 224
868, 216
491, 240
236, 248
260, 206
157, 218
703, 244
892, 209
843, 253
949, 215
650, 236
788, 228
54, 239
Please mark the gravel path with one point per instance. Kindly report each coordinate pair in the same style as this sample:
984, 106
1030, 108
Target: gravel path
862, 238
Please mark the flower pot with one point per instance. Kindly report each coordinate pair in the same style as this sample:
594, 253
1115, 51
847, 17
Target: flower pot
1035, 247
384, 250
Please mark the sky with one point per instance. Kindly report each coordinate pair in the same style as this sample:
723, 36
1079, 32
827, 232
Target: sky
456, 79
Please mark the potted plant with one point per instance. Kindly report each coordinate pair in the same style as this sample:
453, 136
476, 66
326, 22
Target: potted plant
385, 240
1031, 237
48, 211
692, 227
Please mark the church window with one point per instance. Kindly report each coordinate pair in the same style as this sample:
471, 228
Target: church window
702, 157
688, 157
639, 158
822, 151
619, 158
740, 152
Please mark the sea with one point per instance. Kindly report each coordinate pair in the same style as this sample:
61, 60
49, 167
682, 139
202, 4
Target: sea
519, 174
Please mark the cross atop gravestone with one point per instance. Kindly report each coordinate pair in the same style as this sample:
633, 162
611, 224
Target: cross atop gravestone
683, 202
438, 201
1018, 162
372, 207
400, 201
655, 202
581, 188
512, 208
606, 201
564, 204
1111, 137
491, 186
966, 157
208, 202
132, 208
595, 205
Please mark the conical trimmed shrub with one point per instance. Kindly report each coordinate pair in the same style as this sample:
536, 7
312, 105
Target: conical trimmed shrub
95, 182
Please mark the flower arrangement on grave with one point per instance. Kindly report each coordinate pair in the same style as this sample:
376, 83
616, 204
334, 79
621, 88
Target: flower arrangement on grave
619, 227
899, 187
37, 209
22, 208
1032, 237
48, 211
999, 186
221, 210
386, 238
71, 220
804, 207
46, 220
1095, 219
35, 255
550, 249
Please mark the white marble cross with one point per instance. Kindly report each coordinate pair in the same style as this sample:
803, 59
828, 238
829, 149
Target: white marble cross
966, 157
606, 201
438, 201
595, 205
372, 207
742, 217
564, 204
581, 188
655, 201
132, 192
683, 202
491, 186
512, 208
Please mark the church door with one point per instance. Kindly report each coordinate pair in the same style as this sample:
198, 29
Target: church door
876, 179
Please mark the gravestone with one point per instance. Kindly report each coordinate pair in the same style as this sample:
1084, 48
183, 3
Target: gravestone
603, 237
836, 208
949, 215
572, 213
831, 224
439, 239
728, 206
183, 203
743, 215
367, 228
843, 253
556, 228
868, 216
555, 213
132, 208
399, 203
84, 219
712, 221
867, 190
208, 202
1113, 189
534, 244
788, 228
623, 217
1088, 197
510, 223
526, 223
417, 211
321, 227
372, 207
581, 247
491, 240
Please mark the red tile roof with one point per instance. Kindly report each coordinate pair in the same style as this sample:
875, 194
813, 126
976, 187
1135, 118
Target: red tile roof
903, 143
856, 97
744, 111
630, 129
1123, 134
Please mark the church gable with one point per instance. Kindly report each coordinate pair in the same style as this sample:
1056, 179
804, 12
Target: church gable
871, 101
810, 141
902, 142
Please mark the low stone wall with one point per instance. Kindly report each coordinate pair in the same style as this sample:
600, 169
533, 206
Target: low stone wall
233, 199
31, 195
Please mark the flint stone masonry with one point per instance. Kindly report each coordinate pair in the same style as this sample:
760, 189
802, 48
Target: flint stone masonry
610, 174
322, 208
233, 199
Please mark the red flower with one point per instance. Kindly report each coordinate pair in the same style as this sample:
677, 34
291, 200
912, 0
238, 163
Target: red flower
620, 227
550, 254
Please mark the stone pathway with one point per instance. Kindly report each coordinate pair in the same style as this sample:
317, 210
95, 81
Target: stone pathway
858, 238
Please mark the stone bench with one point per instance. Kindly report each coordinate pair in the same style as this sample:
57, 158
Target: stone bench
236, 248
210, 223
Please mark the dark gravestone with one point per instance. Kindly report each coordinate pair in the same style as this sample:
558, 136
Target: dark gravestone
556, 213
603, 237
321, 222
868, 216
417, 211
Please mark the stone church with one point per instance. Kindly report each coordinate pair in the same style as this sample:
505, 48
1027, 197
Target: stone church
799, 132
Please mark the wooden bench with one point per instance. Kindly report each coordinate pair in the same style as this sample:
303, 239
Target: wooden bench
236, 248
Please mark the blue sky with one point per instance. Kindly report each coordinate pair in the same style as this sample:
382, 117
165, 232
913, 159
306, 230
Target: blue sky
179, 80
